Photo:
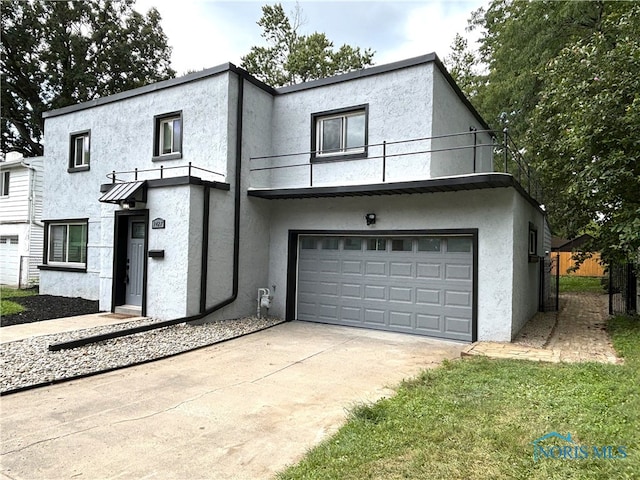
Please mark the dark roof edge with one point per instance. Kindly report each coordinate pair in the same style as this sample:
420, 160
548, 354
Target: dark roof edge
390, 67
154, 87
230, 67
366, 72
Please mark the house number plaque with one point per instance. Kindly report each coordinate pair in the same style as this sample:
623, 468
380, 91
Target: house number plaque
157, 223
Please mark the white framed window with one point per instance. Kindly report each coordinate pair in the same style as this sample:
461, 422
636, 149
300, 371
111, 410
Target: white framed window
66, 244
339, 134
79, 151
5, 178
168, 136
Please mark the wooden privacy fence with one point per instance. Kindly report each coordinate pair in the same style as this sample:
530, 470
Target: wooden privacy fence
590, 267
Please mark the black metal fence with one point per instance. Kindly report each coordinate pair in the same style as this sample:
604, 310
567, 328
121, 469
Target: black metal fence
623, 289
549, 283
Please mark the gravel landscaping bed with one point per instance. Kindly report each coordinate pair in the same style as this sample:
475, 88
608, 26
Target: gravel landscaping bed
29, 362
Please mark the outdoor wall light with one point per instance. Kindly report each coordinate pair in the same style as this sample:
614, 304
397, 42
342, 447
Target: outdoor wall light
370, 218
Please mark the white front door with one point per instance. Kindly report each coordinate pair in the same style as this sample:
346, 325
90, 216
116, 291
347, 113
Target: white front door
135, 260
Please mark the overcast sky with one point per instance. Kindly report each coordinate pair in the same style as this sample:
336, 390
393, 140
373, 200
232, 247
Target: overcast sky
206, 33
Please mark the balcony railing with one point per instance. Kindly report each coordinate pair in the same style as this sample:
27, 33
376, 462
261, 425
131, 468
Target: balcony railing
442, 155
165, 172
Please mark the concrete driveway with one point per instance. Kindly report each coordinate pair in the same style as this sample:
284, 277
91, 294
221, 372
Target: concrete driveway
242, 409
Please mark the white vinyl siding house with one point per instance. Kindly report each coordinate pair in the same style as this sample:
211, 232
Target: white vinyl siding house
21, 229
367, 199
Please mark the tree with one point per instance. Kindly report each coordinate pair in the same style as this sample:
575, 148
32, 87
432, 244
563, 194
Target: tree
292, 58
564, 76
56, 54
518, 40
464, 66
585, 132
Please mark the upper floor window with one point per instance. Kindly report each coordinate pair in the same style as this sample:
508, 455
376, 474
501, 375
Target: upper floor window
167, 138
79, 151
4, 183
66, 243
340, 134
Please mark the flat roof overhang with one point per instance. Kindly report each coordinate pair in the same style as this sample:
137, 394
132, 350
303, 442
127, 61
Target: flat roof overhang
477, 181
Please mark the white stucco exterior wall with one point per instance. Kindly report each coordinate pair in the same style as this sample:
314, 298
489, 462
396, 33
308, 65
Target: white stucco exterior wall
490, 211
399, 105
526, 273
122, 139
451, 115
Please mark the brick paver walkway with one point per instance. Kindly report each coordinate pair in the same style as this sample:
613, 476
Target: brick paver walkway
579, 335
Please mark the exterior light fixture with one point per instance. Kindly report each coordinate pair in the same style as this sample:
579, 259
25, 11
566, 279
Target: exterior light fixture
370, 218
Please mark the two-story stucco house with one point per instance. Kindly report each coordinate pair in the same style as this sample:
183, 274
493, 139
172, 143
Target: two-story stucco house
21, 230
367, 199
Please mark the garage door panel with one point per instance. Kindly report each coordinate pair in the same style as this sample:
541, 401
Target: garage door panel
351, 314
456, 325
457, 299
416, 291
375, 268
428, 323
428, 270
329, 266
374, 317
373, 292
401, 269
352, 267
427, 296
351, 290
400, 320
401, 294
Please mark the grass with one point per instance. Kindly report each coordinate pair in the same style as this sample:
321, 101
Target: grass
7, 307
574, 284
477, 418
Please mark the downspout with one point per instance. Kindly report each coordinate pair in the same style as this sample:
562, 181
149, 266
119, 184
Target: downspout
236, 222
205, 252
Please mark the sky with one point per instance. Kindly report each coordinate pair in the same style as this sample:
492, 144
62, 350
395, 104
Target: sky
206, 33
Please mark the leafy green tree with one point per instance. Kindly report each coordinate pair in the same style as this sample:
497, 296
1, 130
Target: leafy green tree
464, 66
585, 133
293, 58
56, 54
563, 76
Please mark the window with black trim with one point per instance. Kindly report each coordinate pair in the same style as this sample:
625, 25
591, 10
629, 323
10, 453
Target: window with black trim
66, 243
340, 134
5, 178
79, 151
167, 137
533, 243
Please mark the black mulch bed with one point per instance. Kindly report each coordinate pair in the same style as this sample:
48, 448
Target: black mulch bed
47, 307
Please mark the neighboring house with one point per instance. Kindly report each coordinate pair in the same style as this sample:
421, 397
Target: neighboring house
366, 199
21, 230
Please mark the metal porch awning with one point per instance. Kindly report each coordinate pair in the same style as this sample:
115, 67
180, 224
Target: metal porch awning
125, 192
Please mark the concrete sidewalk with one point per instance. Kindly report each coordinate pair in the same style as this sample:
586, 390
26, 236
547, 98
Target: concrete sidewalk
579, 335
60, 325
242, 409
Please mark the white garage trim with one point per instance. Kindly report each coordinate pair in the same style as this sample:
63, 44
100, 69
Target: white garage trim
388, 299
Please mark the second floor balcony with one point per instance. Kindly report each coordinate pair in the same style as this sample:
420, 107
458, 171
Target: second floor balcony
470, 156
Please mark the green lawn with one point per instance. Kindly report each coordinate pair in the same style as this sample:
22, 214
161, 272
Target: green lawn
7, 307
477, 418
573, 284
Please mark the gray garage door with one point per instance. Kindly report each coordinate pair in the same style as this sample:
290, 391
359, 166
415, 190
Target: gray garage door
421, 285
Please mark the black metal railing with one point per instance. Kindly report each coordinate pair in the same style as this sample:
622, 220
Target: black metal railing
161, 172
504, 152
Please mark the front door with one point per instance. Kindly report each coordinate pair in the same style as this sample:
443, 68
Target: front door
135, 260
